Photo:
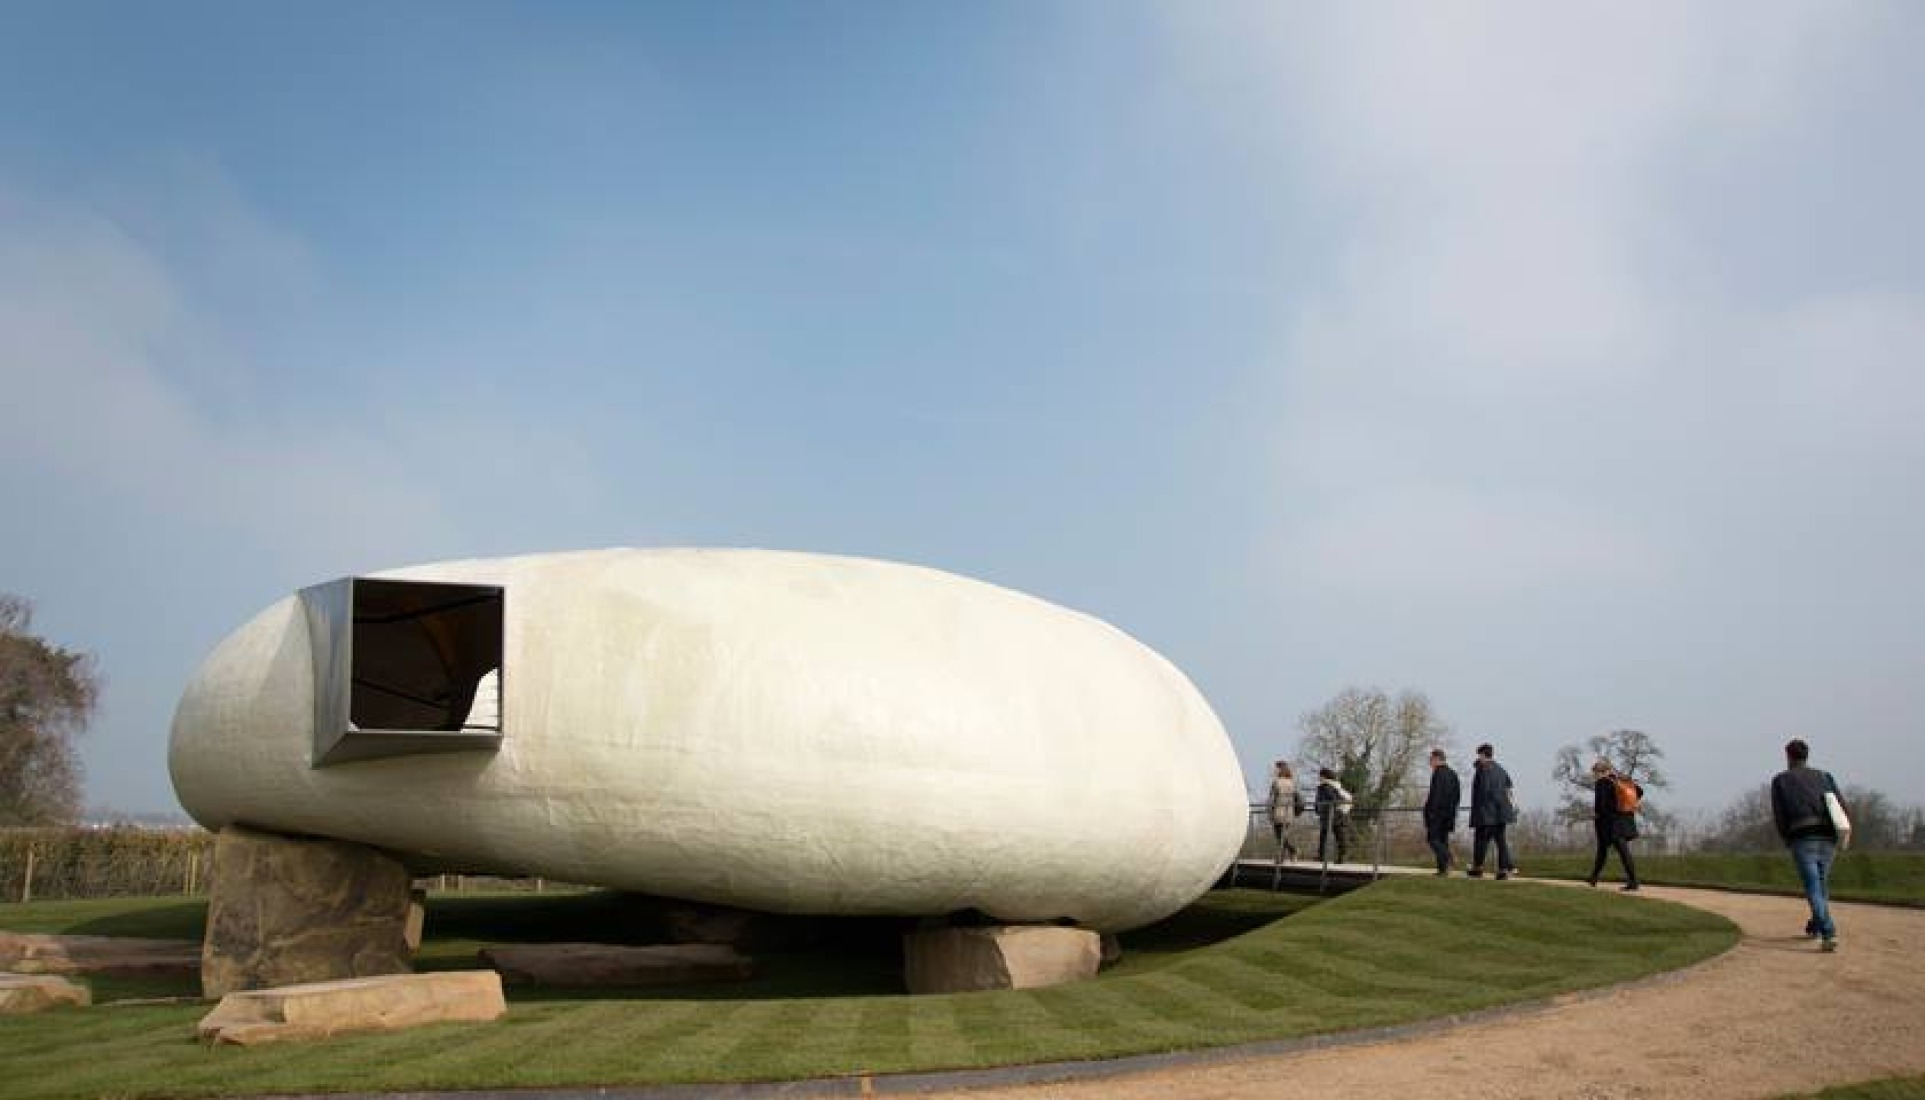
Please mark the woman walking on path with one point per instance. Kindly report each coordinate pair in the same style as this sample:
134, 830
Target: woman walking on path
1616, 825
1285, 805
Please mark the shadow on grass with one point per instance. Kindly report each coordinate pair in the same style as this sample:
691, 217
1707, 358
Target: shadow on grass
811, 957
797, 958
181, 920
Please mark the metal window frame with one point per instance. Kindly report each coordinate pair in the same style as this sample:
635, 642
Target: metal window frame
329, 609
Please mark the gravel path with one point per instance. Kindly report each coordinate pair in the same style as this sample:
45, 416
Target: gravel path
1771, 1016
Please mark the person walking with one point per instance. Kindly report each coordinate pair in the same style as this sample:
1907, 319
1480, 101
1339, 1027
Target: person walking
1285, 805
1333, 816
1440, 809
1493, 806
1804, 822
1616, 826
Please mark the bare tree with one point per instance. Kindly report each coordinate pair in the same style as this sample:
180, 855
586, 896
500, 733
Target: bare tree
1632, 752
1373, 742
1877, 823
1745, 825
47, 695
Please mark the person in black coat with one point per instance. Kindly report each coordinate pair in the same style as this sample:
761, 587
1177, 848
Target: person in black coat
1440, 809
1615, 828
1492, 809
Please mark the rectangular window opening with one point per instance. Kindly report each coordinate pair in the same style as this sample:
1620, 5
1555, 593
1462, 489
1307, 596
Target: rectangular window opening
405, 667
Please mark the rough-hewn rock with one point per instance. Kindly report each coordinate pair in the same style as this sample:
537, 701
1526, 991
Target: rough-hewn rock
282, 911
604, 964
28, 953
386, 1003
958, 960
21, 994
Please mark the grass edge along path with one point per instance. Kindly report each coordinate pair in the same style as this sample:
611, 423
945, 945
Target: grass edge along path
1886, 1088
1399, 952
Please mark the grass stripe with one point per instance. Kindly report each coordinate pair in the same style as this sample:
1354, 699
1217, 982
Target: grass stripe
1238, 966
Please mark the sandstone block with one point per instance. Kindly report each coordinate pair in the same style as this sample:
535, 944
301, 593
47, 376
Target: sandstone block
28, 953
958, 960
417, 920
283, 911
320, 1009
21, 994
604, 964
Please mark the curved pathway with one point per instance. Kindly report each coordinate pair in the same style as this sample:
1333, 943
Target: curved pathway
1771, 1016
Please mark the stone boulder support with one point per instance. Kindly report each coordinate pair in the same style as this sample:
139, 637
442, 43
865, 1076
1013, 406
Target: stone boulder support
321, 1009
121, 957
21, 994
606, 964
960, 960
283, 911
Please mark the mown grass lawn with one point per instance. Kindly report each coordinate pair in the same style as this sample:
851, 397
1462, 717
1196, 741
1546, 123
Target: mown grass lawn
1887, 877
1393, 953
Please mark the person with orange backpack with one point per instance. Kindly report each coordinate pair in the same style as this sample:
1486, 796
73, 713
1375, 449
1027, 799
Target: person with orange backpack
1615, 799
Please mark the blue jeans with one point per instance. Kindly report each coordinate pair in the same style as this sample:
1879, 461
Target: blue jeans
1813, 855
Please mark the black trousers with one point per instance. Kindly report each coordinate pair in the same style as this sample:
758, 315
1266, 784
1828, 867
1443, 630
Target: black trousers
1439, 840
1607, 840
1482, 836
1333, 826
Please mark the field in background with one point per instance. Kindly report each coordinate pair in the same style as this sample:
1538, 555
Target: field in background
124, 861
1895, 878
103, 863
1391, 953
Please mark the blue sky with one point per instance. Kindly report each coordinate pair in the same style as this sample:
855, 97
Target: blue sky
1565, 364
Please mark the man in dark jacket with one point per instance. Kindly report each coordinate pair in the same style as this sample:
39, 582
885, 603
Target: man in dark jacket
1440, 809
1333, 816
1615, 828
1804, 822
1492, 809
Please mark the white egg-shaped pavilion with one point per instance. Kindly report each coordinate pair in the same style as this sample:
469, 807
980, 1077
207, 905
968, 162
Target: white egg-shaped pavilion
785, 732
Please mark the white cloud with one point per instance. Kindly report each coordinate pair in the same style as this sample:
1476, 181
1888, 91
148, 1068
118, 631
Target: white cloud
1452, 549
1503, 334
151, 374
93, 327
1532, 396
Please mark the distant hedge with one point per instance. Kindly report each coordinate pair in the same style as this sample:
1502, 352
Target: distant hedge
103, 863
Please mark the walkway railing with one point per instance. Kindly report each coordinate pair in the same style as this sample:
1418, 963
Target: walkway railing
1369, 832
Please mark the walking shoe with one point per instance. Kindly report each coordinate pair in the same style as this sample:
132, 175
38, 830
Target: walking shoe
1830, 944
1502, 875
1591, 882
1474, 872
1811, 931
1629, 887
